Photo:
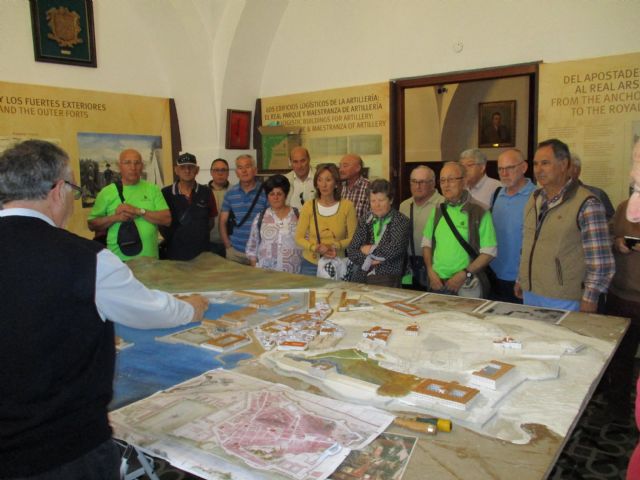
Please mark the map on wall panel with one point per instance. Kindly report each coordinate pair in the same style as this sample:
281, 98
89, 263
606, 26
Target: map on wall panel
227, 425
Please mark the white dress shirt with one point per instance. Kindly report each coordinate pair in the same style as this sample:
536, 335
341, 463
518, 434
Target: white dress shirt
120, 297
484, 189
301, 190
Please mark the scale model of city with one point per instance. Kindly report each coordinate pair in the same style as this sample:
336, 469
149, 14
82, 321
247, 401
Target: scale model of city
387, 348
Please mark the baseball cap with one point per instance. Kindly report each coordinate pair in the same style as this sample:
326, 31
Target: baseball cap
186, 159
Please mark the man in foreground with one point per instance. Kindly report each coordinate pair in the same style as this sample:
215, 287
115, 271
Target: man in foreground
566, 257
60, 295
143, 203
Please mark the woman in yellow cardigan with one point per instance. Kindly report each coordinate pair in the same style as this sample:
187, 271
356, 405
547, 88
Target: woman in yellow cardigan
334, 217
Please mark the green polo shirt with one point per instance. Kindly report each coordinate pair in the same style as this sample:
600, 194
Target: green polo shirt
449, 257
141, 195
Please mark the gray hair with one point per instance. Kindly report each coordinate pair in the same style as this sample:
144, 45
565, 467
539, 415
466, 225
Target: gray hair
461, 168
246, 155
478, 156
381, 185
429, 171
29, 170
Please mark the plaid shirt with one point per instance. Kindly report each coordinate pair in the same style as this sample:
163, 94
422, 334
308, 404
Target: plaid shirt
359, 195
596, 243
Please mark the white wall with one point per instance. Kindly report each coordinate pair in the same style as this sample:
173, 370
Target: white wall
335, 43
211, 55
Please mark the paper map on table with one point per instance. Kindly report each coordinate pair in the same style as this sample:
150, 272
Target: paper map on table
224, 424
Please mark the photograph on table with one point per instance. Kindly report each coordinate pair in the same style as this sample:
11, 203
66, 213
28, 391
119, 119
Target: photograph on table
527, 312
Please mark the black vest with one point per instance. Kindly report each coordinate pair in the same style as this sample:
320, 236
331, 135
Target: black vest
188, 235
56, 354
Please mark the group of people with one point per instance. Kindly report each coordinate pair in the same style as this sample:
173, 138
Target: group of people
314, 218
556, 244
482, 237
550, 245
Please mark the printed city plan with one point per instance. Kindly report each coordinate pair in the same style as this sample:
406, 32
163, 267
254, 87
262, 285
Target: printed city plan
224, 424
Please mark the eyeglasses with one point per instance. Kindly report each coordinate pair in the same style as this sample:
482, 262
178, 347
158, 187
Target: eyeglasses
128, 163
420, 183
77, 191
450, 180
219, 170
510, 168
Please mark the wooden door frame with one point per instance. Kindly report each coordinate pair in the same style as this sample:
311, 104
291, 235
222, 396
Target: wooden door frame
397, 98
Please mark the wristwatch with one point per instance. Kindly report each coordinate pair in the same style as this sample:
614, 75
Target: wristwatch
142, 212
469, 274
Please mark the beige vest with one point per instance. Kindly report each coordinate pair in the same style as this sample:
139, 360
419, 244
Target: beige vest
552, 260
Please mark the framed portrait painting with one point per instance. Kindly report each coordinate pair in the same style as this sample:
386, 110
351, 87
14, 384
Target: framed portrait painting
497, 124
238, 130
63, 32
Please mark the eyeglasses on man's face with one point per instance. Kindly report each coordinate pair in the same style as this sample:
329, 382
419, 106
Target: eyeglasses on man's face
219, 170
129, 163
420, 183
470, 164
77, 191
450, 180
510, 168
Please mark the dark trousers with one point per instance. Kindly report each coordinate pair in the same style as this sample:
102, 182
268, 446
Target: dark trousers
502, 291
218, 249
384, 280
618, 381
101, 463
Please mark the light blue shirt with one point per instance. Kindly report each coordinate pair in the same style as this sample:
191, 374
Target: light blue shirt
535, 300
508, 217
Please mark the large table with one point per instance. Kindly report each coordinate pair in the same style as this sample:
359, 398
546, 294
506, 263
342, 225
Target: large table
150, 366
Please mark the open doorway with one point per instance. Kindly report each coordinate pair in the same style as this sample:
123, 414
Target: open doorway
437, 117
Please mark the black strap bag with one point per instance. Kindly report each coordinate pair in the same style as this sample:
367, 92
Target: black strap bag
231, 220
129, 239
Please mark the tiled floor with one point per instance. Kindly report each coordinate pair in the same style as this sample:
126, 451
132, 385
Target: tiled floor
599, 447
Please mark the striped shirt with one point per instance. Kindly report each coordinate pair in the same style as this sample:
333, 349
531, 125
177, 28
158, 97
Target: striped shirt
239, 201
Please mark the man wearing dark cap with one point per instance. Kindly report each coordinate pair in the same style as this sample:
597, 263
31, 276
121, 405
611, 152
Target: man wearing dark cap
192, 212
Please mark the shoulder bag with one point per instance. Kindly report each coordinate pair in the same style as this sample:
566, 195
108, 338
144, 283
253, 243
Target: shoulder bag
129, 239
231, 220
